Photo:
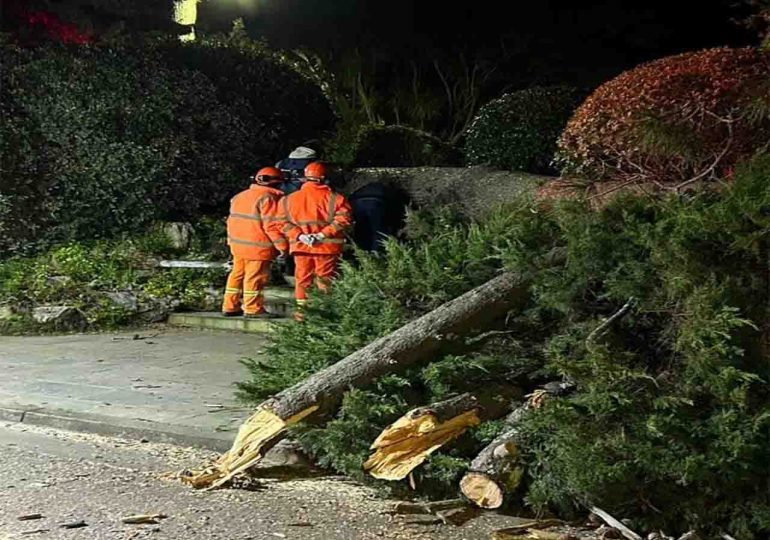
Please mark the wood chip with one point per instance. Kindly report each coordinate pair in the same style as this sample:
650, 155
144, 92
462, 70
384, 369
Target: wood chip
458, 516
75, 525
615, 523
30, 517
36, 531
139, 519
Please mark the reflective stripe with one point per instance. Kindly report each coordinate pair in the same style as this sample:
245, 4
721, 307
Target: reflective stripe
332, 208
253, 293
247, 243
286, 210
301, 302
312, 222
245, 216
228, 290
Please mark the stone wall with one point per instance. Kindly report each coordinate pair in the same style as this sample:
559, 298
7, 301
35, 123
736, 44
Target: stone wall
473, 191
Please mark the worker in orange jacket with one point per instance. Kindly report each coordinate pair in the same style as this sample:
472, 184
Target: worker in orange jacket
253, 244
315, 220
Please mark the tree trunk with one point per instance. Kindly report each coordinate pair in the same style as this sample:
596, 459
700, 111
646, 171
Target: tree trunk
407, 443
411, 344
497, 469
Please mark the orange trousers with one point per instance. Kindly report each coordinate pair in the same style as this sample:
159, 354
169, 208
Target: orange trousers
246, 284
307, 267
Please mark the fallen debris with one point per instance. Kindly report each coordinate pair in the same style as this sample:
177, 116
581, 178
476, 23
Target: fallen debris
408, 507
30, 517
141, 519
36, 531
615, 523
414, 342
407, 443
497, 470
74, 525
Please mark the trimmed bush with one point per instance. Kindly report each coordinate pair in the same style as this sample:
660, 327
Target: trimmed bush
400, 146
682, 118
139, 132
518, 131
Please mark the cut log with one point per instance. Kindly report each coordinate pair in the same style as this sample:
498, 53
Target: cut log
413, 343
497, 469
407, 443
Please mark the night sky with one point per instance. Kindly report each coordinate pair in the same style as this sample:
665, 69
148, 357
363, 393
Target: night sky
574, 41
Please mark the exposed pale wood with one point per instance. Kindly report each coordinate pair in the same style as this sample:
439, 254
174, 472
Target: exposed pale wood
433, 507
615, 523
394, 459
413, 343
482, 490
407, 443
496, 470
255, 437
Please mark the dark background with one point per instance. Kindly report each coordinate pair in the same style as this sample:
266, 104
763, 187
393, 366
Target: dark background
574, 41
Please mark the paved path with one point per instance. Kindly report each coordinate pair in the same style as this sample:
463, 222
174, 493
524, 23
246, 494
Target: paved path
171, 382
70, 477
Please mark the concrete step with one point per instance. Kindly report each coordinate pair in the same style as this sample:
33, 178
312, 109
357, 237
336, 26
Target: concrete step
216, 321
278, 300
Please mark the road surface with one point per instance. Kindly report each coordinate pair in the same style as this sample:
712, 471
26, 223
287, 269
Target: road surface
69, 477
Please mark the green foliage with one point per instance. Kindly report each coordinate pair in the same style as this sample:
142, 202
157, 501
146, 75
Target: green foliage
139, 131
669, 421
378, 145
518, 131
82, 275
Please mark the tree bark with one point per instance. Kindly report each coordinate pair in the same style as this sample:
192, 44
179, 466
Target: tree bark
411, 344
497, 469
407, 443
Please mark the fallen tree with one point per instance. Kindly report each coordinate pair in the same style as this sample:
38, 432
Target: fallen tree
497, 469
413, 343
407, 443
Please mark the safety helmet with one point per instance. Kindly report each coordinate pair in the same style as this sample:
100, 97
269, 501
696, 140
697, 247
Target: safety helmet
268, 175
316, 171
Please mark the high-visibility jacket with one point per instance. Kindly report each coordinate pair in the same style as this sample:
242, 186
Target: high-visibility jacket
248, 233
315, 209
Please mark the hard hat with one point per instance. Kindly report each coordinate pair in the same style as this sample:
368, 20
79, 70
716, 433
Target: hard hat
316, 171
268, 175
302, 152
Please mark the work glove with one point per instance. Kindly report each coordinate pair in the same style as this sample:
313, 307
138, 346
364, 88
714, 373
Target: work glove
318, 236
307, 239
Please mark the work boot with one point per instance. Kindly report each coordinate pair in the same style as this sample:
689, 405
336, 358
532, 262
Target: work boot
261, 315
232, 313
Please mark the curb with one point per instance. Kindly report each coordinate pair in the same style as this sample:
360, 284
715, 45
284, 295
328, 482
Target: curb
115, 427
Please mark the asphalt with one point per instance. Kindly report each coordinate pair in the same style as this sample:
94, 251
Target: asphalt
165, 385
69, 478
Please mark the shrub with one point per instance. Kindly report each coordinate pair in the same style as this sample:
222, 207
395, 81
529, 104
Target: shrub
82, 274
675, 120
139, 132
668, 424
518, 131
399, 146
